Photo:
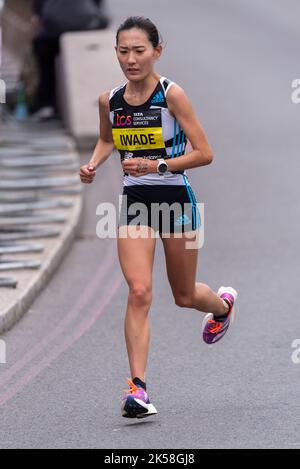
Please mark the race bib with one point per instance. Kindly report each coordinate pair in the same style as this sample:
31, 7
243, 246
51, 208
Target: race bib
136, 131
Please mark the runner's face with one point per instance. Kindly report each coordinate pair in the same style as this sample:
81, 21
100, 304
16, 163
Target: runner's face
136, 54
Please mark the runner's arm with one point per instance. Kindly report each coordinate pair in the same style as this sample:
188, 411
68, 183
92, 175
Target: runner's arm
181, 108
105, 144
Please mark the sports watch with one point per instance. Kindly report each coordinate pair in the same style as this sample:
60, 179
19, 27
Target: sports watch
162, 167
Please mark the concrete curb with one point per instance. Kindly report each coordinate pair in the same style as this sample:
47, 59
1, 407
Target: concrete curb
14, 303
14, 311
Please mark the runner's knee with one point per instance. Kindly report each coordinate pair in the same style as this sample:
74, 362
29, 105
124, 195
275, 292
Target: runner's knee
140, 295
184, 299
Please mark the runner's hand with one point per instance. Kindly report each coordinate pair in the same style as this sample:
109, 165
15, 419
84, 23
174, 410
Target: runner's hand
87, 173
138, 166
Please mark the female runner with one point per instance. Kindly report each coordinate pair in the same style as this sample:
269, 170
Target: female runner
149, 120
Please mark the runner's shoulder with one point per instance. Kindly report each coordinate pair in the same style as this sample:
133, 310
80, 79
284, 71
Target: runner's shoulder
103, 100
175, 92
176, 99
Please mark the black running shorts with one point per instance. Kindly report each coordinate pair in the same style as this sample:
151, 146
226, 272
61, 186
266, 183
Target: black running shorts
165, 208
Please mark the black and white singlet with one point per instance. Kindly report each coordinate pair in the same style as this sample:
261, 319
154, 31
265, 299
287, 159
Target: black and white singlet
150, 131
147, 131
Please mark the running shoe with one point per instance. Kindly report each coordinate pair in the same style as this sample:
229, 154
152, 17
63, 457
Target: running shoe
136, 403
214, 329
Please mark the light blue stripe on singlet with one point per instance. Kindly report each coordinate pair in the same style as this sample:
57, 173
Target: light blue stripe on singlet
178, 140
182, 142
174, 138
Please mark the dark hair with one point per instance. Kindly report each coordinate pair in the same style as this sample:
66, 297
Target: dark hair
142, 23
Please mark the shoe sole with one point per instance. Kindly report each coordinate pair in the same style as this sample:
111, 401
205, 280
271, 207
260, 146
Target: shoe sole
134, 408
151, 411
209, 316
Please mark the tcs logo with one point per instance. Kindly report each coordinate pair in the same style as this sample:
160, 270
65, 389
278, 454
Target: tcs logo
122, 121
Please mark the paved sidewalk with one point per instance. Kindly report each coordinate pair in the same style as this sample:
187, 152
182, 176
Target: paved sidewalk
39, 168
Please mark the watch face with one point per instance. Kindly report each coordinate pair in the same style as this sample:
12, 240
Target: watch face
162, 167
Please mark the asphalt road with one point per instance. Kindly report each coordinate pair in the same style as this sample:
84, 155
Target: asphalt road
66, 361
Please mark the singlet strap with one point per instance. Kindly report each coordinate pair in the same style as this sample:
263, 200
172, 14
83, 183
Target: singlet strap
115, 90
166, 84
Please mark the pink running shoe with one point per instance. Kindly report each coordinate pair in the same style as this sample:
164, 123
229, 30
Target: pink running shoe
214, 329
136, 403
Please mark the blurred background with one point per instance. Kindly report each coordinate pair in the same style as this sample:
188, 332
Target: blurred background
236, 60
31, 34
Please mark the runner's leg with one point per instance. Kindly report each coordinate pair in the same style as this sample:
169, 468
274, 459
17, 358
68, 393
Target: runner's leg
136, 257
181, 266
